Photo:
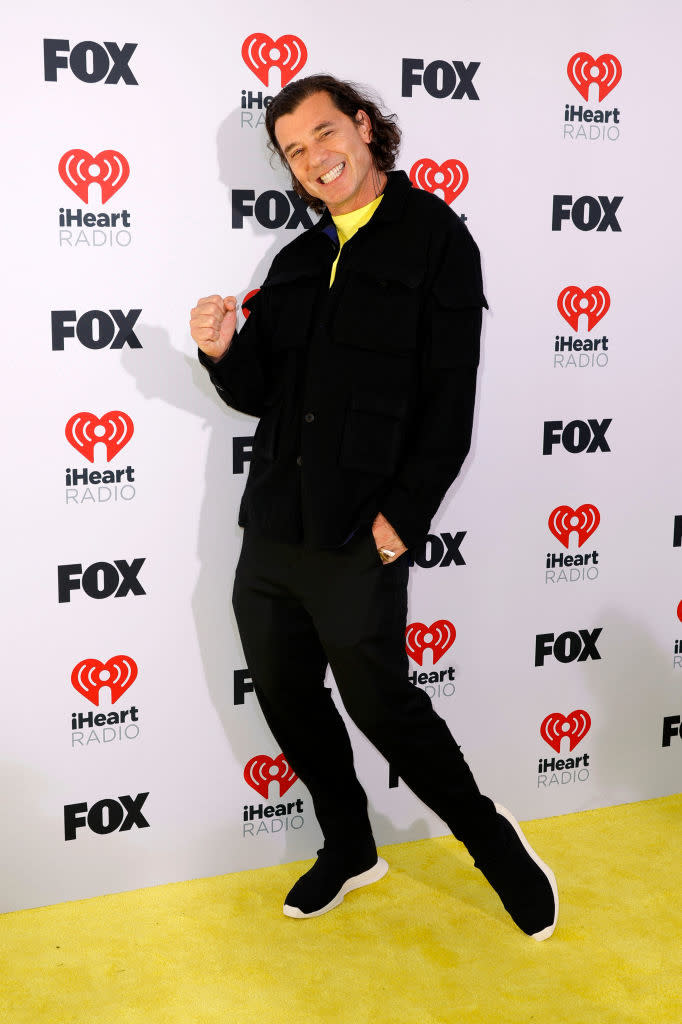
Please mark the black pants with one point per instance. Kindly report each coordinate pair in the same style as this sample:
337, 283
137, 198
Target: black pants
300, 609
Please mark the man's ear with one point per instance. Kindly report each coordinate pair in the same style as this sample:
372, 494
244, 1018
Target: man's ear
364, 125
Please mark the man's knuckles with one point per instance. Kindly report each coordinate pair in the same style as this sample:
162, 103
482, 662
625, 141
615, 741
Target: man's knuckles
213, 305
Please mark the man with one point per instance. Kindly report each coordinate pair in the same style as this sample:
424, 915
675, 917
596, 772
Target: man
359, 357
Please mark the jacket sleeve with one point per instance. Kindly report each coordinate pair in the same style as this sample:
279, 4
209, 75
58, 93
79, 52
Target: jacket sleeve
440, 435
241, 376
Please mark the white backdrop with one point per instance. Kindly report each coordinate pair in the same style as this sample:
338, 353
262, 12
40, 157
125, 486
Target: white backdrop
183, 725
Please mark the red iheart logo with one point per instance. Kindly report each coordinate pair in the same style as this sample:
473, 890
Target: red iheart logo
84, 431
573, 301
89, 676
439, 637
260, 53
109, 169
245, 302
261, 770
564, 520
451, 177
583, 70
575, 725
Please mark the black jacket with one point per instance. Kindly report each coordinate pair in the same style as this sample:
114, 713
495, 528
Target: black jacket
365, 391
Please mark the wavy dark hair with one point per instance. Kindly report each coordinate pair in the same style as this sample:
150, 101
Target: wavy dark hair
348, 98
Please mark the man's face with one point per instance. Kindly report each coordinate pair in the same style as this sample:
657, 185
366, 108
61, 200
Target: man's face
328, 152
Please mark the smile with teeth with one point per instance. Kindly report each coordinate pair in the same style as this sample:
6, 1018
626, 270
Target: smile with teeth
333, 174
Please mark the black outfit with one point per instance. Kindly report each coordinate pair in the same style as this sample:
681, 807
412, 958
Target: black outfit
365, 390
365, 393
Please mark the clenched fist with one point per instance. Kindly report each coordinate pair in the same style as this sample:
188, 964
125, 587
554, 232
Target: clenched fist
212, 323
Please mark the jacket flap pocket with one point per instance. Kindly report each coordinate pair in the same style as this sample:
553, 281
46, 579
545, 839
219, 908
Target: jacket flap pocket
291, 298
380, 309
373, 433
284, 277
389, 272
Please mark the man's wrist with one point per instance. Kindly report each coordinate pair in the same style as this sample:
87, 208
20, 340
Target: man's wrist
209, 360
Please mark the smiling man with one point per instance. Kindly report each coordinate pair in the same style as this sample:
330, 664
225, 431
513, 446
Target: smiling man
359, 358
316, 134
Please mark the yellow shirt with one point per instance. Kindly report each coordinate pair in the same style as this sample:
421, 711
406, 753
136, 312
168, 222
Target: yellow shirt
348, 223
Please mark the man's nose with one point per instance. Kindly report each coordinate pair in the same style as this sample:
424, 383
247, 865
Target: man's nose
319, 156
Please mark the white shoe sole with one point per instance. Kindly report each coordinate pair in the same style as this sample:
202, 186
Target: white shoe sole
546, 932
356, 882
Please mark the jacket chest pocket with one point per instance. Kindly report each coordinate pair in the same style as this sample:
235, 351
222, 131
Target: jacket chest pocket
292, 300
379, 310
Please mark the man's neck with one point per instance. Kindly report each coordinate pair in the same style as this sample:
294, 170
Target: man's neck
378, 179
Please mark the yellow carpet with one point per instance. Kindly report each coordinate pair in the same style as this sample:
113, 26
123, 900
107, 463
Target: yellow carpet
429, 943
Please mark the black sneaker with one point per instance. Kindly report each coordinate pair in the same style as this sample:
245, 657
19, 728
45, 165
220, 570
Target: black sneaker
524, 883
324, 886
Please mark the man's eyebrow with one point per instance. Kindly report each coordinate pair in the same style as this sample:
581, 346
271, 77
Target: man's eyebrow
317, 128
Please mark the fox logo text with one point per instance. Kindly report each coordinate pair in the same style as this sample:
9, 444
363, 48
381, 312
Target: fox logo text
568, 646
272, 209
101, 579
442, 550
671, 727
242, 683
677, 532
441, 78
242, 453
576, 436
95, 329
90, 62
106, 816
587, 213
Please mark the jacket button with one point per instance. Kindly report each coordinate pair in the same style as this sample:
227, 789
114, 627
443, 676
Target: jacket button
309, 417
299, 460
